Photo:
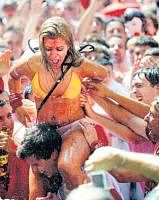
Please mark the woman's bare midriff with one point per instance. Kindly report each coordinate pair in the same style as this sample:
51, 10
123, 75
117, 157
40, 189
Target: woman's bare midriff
60, 111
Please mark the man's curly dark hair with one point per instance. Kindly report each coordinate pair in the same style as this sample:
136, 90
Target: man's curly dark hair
41, 141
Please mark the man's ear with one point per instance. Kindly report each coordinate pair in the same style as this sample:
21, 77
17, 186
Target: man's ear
54, 155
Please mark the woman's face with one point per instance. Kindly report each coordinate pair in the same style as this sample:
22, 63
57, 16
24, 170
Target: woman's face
56, 50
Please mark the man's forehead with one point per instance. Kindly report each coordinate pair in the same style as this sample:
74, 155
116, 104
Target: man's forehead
5, 109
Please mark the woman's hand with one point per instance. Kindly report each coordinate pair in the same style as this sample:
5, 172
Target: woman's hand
104, 158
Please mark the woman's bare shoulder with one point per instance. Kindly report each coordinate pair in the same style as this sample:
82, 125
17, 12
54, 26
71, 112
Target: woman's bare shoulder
35, 62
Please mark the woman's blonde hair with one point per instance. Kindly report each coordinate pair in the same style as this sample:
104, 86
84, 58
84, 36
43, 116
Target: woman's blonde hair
55, 27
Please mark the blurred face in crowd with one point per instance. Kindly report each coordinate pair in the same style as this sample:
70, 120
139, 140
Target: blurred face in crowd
96, 26
6, 121
117, 48
138, 53
152, 119
134, 27
115, 28
151, 29
14, 42
142, 90
68, 10
130, 49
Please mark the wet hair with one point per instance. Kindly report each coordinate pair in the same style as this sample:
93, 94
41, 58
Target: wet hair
40, 141
53, 28
150, 73
146, 41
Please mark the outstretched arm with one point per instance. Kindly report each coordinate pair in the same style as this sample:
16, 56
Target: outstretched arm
133, 133
86, 19
109, 158
26, 67
137, 108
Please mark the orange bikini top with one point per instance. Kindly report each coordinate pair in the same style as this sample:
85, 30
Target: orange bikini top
73, 90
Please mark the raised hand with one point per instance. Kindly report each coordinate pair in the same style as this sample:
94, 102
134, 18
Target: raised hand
96, 89
5, 62
104, 158
22, 115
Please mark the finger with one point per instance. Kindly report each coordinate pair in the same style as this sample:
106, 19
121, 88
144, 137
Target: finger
27, 117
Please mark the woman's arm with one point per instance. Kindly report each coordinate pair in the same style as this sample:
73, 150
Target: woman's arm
91, 70
22, 66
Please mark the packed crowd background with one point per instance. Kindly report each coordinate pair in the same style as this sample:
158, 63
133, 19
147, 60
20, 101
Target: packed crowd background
79, 94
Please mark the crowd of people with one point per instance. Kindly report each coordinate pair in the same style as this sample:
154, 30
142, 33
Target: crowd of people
79, 100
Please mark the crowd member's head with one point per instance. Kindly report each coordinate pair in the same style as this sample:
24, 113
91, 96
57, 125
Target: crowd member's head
117, 48
115, 26
6, 121
88, 192
56, 44
145, 84
68, 9
97, 26
134, 22
13, 37
152, 119
40, 148
150, 58
9, 9
101, 48
151, 27
141, 45
130, 45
